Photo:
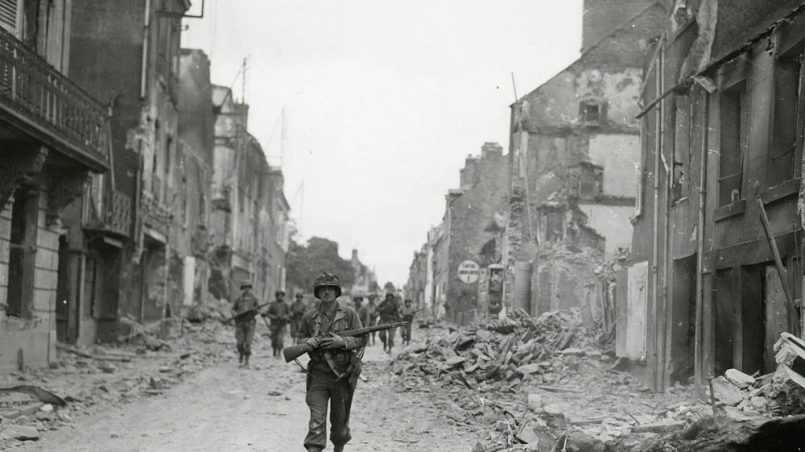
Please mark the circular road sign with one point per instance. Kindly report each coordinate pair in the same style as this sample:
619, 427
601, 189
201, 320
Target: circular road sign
468, 272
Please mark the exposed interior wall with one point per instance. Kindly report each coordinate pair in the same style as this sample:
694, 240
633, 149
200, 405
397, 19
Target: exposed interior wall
612, 223
619, 155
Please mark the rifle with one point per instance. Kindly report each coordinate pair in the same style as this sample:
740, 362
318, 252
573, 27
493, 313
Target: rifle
295, 351
255, 309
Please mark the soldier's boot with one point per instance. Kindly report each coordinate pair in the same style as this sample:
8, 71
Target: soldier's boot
240, 359
246, 362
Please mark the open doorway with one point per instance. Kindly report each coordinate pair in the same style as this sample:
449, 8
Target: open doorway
66, 302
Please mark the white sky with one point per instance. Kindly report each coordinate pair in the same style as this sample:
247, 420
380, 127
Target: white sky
384, 100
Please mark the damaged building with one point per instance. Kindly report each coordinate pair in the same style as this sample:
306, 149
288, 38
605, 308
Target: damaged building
54, 136
574, 145
716, 270
249, 225
469, 246
127, 53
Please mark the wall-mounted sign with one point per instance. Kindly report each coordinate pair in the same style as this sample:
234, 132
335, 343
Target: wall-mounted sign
468, 272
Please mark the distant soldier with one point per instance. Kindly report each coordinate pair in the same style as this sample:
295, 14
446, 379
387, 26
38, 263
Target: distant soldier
279, 313
408, 312
358, 301
298, 309
334, 365
244, 324
368, 315
389, 310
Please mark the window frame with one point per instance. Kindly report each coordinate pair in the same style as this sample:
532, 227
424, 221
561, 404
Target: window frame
735, 86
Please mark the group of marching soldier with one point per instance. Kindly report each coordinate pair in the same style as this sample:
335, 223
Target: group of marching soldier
328, 333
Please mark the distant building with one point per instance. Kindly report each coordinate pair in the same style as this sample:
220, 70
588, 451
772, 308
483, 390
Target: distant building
450, 275
249, 223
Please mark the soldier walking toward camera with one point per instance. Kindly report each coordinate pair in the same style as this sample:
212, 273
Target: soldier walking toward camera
334, 365
408, 312
368, 316
279, 313
245, 310
298, 309
389, 310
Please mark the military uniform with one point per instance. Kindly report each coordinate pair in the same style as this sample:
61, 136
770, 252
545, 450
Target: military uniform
244, 325
368, 316
408, 312
389, 310
298, 309
332, 374
279, 313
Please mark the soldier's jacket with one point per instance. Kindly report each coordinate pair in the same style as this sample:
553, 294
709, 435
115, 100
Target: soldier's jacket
298, 309
389, 311
279, 313
408, 312
244, 303
319, 322
367, 314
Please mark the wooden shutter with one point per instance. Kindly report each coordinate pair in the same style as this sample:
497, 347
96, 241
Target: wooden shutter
8, 15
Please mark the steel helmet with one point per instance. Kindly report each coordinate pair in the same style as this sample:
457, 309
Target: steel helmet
327, 280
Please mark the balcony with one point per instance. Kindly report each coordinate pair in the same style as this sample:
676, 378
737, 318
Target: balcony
42, 103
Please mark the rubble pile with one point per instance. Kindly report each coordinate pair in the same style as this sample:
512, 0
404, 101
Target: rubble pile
87, 379
538, 382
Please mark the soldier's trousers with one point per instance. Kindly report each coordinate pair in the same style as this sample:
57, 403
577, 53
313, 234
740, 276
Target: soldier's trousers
295, 324
321, 389
406, 332
277, 337
244, 332
387, 336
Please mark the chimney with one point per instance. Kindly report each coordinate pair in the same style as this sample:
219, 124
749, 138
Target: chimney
469, 175
600, 17
354, 255
491, 149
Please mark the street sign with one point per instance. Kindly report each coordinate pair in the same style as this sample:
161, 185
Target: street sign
468, 272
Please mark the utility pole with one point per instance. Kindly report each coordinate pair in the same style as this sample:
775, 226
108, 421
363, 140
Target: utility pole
283, 135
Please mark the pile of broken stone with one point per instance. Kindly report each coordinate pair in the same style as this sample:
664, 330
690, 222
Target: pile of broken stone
542, 383
84, 380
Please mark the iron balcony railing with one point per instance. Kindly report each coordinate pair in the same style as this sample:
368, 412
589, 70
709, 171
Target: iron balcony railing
46, 102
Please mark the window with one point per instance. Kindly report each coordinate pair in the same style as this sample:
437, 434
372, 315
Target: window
592, 113
682, 134
734, 143
21, 254
783, 151
8, 15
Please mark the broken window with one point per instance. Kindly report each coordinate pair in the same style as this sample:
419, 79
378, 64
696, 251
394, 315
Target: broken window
734, 122
782, 155
592, 113
21, 253
682, 134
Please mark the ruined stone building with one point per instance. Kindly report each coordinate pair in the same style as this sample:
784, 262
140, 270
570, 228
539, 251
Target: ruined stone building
451, 272
365, 284
716, 269
575, 146
127, 54
249, 229
53, 137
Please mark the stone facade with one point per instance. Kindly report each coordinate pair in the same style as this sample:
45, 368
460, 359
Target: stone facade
249, 224
574, 159
44, 170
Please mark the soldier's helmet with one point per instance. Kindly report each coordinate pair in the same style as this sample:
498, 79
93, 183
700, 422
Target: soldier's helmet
327, 280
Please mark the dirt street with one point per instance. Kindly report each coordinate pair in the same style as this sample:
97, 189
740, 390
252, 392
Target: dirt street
223, 408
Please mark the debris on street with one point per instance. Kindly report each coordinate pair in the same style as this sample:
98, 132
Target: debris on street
537, 382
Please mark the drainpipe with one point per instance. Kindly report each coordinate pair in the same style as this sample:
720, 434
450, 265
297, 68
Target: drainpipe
146, 32
656, 210
667, 257
697, 349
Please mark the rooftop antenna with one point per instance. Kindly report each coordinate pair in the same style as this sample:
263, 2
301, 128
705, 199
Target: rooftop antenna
283, 135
